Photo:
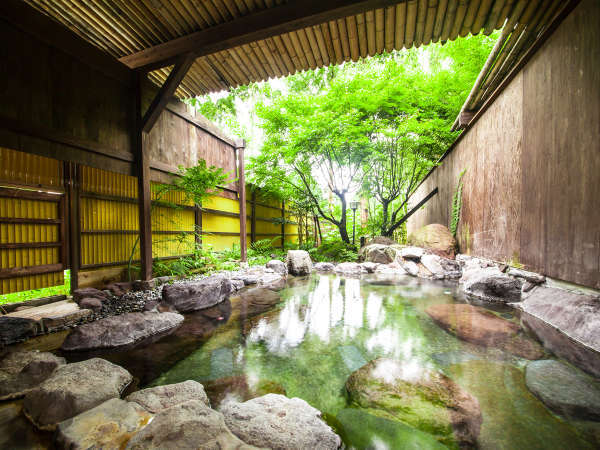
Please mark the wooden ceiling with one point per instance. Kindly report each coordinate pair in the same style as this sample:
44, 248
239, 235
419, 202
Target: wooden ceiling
236, 42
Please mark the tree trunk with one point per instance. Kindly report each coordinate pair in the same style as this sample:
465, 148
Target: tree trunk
300, 234
342, 225
319, 230
385, 205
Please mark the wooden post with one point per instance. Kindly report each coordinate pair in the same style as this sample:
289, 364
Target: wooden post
143, 175
198, 223
71, 173
253, 218
283, 224
242, 199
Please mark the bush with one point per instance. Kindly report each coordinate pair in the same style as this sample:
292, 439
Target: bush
334, 250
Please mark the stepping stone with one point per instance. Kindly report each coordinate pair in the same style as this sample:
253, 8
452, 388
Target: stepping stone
109, 425
117, 331
278, 422
157, 398
564, 390
22, 371
54, 315
352, 357
480, 326
188, 425
73, 389
221, 363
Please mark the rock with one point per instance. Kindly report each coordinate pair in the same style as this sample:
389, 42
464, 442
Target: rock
491, 285
370, 267
568, 323
377, 253
527, 286
15, 329
80, 294
246, 278
480, 326
531, 277
157, 398
271, 281
73, 389
120, 288
564, 390
190, 425
91, 303
66, 318
436, 237
349, 268
22, 371
151, 306
390, 269
277, 266
237, 284
186, 297
277, 422
109, 425
363, 430
144, 285
383, 240
412, 253
324, 267
117, 331
298, 262
433, 264
426, 400
411, 268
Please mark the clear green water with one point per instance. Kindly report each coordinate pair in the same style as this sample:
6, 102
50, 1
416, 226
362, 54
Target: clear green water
326, 327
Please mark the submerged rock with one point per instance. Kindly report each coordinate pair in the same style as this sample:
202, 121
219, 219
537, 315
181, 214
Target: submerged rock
428, 401
482, 327
568, 323
186, 297
363, 430
277, 422
491, 285
109, 425
273, 281
188, 425
298, 262
120, 330
257, 300
155, 399
436, 237
22, 371
564, 390
73, 389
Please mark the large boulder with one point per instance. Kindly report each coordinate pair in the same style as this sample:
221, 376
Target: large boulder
117, 331
278, 422
22, 371
188, 425
482, 327
109, 425
298, 262
15, 329
73, 389
491, 285
378, 253
277, 266
426, 400
435, 237
568, 323
192, 296
155, 399
564, 390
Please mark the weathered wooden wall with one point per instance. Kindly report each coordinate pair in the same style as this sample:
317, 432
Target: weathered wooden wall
532, 182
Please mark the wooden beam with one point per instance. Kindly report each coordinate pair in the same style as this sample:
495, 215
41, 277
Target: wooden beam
163, 97
254, 27
139, 145
242, 199
32, 270
253, 218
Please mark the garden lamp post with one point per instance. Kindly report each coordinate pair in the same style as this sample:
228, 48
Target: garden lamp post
354, 206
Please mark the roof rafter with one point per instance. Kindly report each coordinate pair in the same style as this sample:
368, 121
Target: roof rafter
274, 21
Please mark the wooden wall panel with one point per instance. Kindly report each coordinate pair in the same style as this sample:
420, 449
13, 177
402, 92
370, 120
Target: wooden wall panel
532, 186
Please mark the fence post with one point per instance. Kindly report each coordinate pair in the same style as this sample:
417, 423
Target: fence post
242, 199
71, 172
198, 224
